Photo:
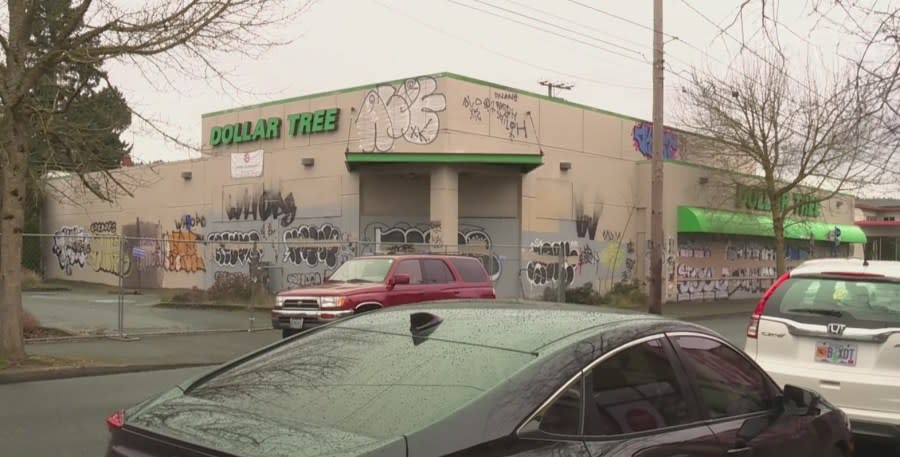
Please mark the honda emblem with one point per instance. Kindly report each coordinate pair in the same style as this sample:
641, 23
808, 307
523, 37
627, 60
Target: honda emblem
836, 329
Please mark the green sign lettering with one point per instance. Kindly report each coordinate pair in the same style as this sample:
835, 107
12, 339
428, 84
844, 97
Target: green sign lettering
325, 120
755, 199
215, 136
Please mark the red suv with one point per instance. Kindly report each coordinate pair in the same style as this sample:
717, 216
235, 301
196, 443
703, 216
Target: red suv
374, 282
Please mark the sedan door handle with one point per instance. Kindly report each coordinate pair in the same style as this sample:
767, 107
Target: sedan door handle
741, 451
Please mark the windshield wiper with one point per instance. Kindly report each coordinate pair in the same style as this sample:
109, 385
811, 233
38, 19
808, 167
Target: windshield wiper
357, 280
823, 312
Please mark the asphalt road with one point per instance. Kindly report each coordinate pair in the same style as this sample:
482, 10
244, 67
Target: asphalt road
66, 418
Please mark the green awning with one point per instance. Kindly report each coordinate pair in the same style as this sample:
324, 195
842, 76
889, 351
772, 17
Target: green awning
705, 220
528, 161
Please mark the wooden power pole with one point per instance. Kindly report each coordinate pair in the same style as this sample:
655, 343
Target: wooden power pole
656, 190
552, 85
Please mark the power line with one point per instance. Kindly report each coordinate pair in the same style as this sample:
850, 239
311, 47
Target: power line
568, 20
506, 56
638, 24
644, 61
566, 37
624, 19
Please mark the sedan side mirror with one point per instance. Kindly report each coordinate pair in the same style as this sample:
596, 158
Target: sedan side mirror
801, 402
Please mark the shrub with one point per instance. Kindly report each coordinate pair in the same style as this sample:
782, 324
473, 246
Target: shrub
585, 295
236, 287
30, 279
193, 295
626, 294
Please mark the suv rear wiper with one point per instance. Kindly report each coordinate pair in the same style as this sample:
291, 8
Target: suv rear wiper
824, 312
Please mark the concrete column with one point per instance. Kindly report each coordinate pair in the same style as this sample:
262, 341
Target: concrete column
444, 208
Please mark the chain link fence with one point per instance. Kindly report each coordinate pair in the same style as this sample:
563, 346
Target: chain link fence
97, 282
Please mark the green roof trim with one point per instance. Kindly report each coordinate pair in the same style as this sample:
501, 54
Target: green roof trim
705, 220
529, 160
433, 75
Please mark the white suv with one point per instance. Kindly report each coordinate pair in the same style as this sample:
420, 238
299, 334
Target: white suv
833, 326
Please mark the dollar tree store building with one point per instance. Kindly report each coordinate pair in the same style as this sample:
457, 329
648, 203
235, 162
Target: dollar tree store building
542, 190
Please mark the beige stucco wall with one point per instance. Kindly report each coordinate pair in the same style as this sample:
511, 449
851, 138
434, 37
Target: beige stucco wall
594, 215
709, 266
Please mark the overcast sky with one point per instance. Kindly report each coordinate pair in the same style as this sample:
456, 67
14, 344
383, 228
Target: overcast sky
605, 50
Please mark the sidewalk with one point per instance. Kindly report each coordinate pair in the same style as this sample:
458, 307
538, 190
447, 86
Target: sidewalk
156, 352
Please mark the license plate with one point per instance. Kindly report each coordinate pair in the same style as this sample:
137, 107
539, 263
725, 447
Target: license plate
296, 322
836, 353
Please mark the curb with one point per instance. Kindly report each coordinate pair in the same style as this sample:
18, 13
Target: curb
211, 306
79, 372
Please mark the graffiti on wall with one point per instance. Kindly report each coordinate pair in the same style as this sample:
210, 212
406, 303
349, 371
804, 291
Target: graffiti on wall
408, 111
749, 251
642, 136
733, 268
550, 263
189, 221
108, 227
105, 255
498, 107
473, 241
261, 206
235, 248
71, 246
304, 279
307, 245
183, 252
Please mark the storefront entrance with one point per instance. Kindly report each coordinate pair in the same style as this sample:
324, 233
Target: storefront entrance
408, 209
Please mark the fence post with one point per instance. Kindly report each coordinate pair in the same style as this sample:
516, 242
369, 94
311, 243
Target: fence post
561, 288
121, 298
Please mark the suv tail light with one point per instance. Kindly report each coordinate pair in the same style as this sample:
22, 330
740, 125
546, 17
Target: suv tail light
115, 421
753, 325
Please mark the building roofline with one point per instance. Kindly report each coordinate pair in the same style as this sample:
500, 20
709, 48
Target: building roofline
433, 75
872, 207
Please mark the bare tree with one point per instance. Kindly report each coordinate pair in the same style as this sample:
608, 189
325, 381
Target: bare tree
812, 139
167, 35
869, 47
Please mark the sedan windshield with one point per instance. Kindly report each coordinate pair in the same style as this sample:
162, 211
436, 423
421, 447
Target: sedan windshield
362, 270
362, 382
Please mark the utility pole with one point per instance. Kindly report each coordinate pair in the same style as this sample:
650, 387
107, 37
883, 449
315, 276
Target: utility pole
551, 85
656, 190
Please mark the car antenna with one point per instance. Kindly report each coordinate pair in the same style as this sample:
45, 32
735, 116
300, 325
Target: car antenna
421, 324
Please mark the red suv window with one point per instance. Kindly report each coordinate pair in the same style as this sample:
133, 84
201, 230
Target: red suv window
436, 271
411, 268
471, 270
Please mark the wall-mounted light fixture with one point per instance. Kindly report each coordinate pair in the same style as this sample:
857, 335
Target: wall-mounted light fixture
565, 166
703, 180
308, 161
187, 175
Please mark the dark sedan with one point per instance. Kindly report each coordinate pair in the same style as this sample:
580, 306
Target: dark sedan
487, 378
